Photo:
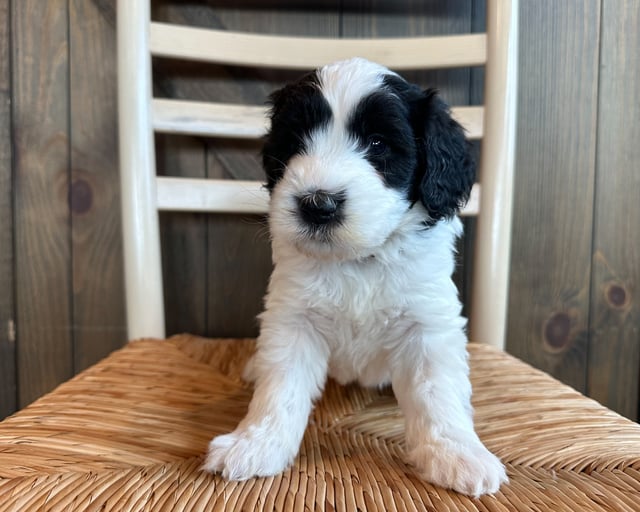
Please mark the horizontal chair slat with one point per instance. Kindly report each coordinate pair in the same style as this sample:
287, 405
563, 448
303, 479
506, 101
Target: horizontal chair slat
287, 52
235, 196
214, 119
246, 121
204, 195
471, 119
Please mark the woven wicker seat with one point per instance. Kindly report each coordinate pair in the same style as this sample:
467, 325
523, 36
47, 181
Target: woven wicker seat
130, 433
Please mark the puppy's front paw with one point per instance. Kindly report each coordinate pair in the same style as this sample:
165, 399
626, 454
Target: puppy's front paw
247, 453
470, 468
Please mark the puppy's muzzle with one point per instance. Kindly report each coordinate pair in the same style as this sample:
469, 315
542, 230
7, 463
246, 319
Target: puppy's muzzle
320, 208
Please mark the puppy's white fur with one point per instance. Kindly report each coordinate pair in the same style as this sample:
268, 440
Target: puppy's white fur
375, 304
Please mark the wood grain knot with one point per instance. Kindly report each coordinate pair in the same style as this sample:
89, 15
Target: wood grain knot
80, 196
617, 296
557, 331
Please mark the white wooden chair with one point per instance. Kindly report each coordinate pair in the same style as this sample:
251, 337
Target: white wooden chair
130, 433
143, 193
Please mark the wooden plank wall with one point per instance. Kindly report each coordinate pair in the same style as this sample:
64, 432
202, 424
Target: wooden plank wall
575, 255
614, 340
574, 282
94, 200
8, 390
43, 260
554, 193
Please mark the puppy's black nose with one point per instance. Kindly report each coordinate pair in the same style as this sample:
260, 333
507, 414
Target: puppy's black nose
320, 207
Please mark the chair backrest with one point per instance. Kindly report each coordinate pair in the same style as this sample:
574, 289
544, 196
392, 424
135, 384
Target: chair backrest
144, 193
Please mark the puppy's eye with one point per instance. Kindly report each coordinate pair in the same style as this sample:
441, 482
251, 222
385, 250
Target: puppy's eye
376, 145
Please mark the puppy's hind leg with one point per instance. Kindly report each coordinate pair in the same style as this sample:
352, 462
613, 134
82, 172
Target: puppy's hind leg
289, 370
430, 380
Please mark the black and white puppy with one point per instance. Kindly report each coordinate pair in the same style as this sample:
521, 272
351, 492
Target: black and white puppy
366, 174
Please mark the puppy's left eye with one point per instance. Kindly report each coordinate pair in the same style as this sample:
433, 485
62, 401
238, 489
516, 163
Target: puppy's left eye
376, 145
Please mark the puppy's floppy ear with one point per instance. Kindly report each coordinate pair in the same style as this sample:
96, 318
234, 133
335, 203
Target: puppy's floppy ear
446, 158
296, 110
277, 99
278, 146
291, 93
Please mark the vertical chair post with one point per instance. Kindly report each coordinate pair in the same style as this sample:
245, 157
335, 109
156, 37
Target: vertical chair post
142, 260
493, 237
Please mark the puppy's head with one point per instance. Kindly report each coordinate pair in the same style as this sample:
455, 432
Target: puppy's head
352, 149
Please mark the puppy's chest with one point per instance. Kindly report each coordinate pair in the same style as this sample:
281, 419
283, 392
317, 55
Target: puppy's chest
364, 297
361, 315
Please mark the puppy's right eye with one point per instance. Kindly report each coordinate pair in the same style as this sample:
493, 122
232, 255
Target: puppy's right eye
376, 145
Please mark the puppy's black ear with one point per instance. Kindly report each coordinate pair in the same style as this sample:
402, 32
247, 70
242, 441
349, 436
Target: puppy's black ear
296, 110
449, 166
278, 98
271, 149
